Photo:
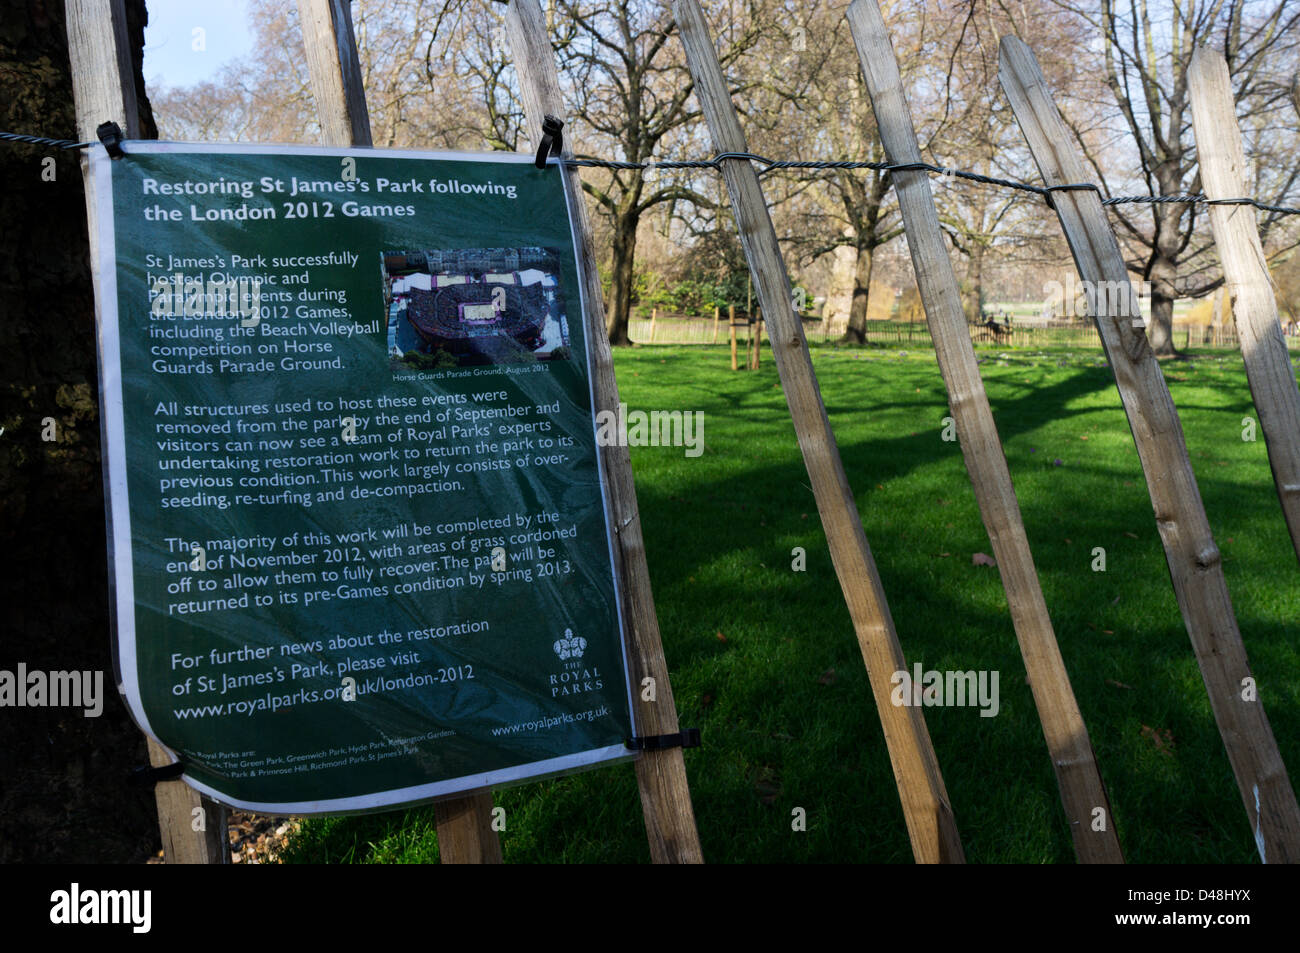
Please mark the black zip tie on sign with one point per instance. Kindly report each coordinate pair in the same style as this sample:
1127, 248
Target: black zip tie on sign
148, 777
552, 140
690, 738
110, 134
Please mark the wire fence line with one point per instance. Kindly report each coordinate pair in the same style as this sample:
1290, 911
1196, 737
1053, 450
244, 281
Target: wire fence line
771, 165
692, 329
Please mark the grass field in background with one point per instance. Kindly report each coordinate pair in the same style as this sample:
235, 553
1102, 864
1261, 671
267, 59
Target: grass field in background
764, 659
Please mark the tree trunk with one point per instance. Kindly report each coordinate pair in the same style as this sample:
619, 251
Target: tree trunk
856, 332
620, 292
1160, 330
70, 802
974, 290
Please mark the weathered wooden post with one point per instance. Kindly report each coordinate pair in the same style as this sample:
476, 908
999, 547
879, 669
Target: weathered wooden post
1077, 775
731, 310
930, 822
1245, 273
103, 89
1195, 565
465, 834
661, 773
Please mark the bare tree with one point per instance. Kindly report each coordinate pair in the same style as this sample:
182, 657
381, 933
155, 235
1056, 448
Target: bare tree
817, 108
629, 92
1146, 49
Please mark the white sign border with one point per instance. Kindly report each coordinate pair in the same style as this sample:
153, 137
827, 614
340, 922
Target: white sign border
114, 454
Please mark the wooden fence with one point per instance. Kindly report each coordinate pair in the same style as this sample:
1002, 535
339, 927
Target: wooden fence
1193, 558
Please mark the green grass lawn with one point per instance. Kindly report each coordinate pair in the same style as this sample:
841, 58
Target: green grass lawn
765, 662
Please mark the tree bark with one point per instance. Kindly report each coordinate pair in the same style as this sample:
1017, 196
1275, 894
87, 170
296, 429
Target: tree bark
620, 292
1162, 270
856, 332
70, 802
1160, 329
974, 290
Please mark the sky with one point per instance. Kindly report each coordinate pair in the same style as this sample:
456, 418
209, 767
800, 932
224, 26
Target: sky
170, 57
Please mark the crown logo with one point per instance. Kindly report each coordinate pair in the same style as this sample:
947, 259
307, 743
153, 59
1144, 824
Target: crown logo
571, 646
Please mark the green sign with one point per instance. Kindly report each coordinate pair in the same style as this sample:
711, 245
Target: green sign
359, 542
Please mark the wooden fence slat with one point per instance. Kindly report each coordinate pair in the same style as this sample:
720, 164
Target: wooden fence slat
335, 71
177, 802
465, 834
731, 310
103, 89
661, 775
1195, 565
930, 822
1263, 347
1077, 775
464, 824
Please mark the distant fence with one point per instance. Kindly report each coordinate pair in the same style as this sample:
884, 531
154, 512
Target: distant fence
685, 329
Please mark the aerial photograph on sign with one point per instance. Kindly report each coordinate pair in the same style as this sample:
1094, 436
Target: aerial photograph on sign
473, 306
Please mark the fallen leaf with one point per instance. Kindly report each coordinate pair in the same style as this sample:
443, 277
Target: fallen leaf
721, 637
828, 677
980, 559
1111, 681
1130, 535
767, 784
1162, 739
1083, 437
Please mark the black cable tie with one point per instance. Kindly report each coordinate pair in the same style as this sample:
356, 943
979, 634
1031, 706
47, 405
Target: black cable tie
1068, 187
689, 738
717, 159
110, 134
1229, 201
913, 167
552, 140
148, 777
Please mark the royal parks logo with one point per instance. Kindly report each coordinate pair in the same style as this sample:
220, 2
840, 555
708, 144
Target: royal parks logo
574, 676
